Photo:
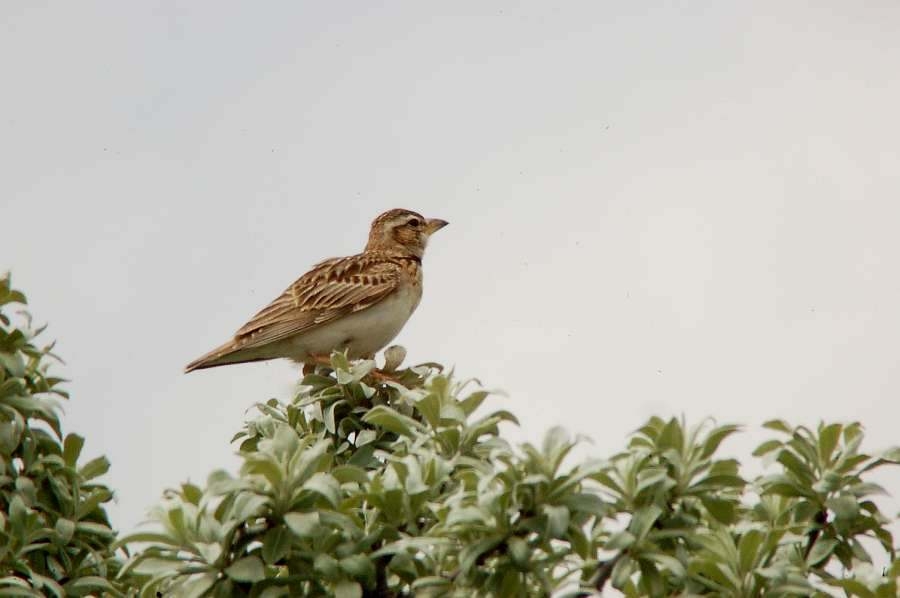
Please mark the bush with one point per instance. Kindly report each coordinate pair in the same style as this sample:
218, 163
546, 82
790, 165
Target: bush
358, 487
55, 537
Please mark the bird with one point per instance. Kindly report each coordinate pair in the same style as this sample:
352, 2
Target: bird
356, 304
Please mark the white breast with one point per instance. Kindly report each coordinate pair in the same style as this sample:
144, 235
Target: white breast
362, 333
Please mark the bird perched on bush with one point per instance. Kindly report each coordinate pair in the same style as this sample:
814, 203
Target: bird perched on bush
356, 304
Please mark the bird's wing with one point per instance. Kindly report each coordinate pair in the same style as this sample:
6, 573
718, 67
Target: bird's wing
332, 289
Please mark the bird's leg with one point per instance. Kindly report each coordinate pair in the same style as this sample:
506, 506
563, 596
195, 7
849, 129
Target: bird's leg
383, 376
379, 374
309, 367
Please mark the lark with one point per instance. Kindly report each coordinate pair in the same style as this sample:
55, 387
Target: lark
356, 304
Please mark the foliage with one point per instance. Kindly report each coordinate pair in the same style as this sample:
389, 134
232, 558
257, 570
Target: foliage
360, 488
55, 537
696, 527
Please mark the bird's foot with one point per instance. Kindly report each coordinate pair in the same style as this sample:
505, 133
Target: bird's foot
314, 361
383, 376
386, 374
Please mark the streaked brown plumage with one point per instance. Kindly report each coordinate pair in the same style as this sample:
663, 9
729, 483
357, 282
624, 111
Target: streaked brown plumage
357, 303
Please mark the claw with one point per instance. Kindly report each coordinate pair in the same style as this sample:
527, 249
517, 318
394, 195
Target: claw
314, 361
383, 376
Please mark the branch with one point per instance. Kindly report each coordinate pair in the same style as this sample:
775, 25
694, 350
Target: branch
381, 583
604, 571
820, 518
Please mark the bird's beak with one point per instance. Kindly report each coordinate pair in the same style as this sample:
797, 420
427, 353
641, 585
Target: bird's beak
433, 225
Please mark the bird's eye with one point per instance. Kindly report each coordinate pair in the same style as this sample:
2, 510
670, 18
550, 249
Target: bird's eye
414, 223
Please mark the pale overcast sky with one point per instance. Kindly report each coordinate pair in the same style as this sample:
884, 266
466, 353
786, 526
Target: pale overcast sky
655, 208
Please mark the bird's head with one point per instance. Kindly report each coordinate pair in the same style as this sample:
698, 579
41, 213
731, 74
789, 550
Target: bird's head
402, 231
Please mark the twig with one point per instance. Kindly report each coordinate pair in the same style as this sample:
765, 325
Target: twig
604, 571
820, 518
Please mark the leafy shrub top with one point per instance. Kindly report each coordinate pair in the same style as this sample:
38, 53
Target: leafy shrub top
357, 487
55, 537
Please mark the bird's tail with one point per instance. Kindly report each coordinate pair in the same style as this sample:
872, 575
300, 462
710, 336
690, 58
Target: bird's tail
223, 355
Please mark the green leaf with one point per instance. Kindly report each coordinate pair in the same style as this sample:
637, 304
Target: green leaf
350, 473
778, 425
146, 537
782, 485
144, 565
198, 584
339, 361
511, 584
97, 529
651, 579
715, 438
328, 416
723, 510
72, 446
620, 540
892, 455
65, 529
621, 572
10, 435
429, 407
364, 437
276, 544
845, 507
473, 401
852, 587
748, 550
867, 489
718, 482
347, 589
191, 493
467, 515
767, 447
452, 413
364, 457
25, 487
713, 575
821, 550
413, 543
556, 446
557, 520
13, 363
324, 484
14, 586
305, 525
358, 566
666, 562
94, 468
519, 552
45, 583
586, 503
434, 585
504, 415
391, 420
92, 501
326, 565
249, 568
828, 439
470, 552
643, 519
655, 479
672, 436
248, 505
797, 467
89, 583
